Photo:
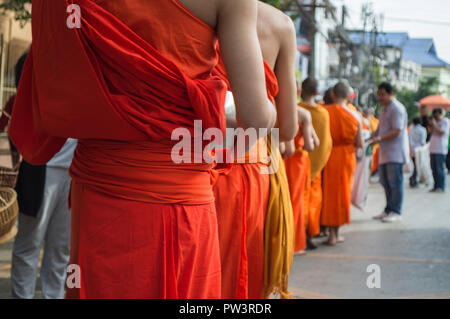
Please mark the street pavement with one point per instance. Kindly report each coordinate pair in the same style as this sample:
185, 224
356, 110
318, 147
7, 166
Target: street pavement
412, 258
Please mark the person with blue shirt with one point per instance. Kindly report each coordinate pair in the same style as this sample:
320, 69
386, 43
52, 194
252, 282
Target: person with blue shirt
392, 137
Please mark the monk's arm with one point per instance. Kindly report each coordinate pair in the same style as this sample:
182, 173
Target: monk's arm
286, 100
288, 149
304, 118
243, 61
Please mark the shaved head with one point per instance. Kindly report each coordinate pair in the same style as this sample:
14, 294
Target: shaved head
309, 87
341, 90
328, 97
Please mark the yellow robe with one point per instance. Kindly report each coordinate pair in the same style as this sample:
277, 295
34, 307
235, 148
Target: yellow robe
318, 159
278, 231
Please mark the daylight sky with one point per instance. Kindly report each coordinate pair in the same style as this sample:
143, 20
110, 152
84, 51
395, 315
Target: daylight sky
437, 11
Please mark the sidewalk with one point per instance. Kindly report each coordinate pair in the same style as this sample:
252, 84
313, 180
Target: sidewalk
414, 255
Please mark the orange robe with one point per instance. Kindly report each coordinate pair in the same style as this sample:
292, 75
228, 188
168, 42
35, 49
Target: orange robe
318, 158
298, 172
142, 226
242, 195
352, 107
338, 174
373, 127
315, 206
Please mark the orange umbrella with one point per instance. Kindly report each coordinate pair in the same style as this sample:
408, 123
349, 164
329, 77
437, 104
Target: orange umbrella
435, 101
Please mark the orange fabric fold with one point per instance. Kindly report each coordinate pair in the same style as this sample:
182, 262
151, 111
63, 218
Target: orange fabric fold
242, 196
315, 206
142, 226
321, 123
298, 173
141, 171
340, 168
241, 202
131, 249
107, 77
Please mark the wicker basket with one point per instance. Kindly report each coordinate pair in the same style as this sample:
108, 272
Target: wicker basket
9, 210
8, 176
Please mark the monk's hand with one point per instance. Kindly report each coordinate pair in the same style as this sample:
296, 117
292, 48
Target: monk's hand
308, 136
282, 148
288, 149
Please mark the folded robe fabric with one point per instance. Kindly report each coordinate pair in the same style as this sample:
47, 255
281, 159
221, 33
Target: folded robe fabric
298, 175
108, 84
278, 230
321, 123
241, 223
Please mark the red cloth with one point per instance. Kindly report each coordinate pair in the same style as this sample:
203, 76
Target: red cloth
132, 249
142, 226
241, 202
242, 195
298, 173
108, 83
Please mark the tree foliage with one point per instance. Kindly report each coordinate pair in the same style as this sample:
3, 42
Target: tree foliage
410, 98
21, 9
275, 3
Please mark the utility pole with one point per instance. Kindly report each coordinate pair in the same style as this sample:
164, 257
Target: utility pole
342, 58
312, 69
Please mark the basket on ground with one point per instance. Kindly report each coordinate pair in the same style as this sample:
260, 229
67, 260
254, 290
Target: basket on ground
9, 210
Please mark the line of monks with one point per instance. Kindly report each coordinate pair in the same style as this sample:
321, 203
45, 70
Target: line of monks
143, 226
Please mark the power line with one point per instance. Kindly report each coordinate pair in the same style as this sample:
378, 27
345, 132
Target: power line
420, 21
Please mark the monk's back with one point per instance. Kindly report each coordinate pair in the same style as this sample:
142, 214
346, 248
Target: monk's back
271, 24
172, 29
343, 125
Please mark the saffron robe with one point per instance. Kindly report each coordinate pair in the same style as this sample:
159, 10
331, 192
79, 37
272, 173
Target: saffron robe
373, 127
142, 226
339, 172
242, 195
321, 123
318, 159
278, 229
298, 172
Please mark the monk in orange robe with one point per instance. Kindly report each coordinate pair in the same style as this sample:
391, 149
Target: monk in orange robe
373, 127
143, 226
318, 157
298, 170
346, 132
241, 221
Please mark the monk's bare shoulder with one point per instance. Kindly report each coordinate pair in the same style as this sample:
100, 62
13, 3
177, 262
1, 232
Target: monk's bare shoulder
210, 11
276, 30
205, 10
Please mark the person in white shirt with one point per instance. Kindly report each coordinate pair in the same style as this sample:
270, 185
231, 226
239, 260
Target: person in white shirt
417, 138
439, 148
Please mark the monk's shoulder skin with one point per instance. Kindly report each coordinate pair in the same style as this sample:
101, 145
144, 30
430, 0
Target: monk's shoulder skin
205, 10
274, 28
